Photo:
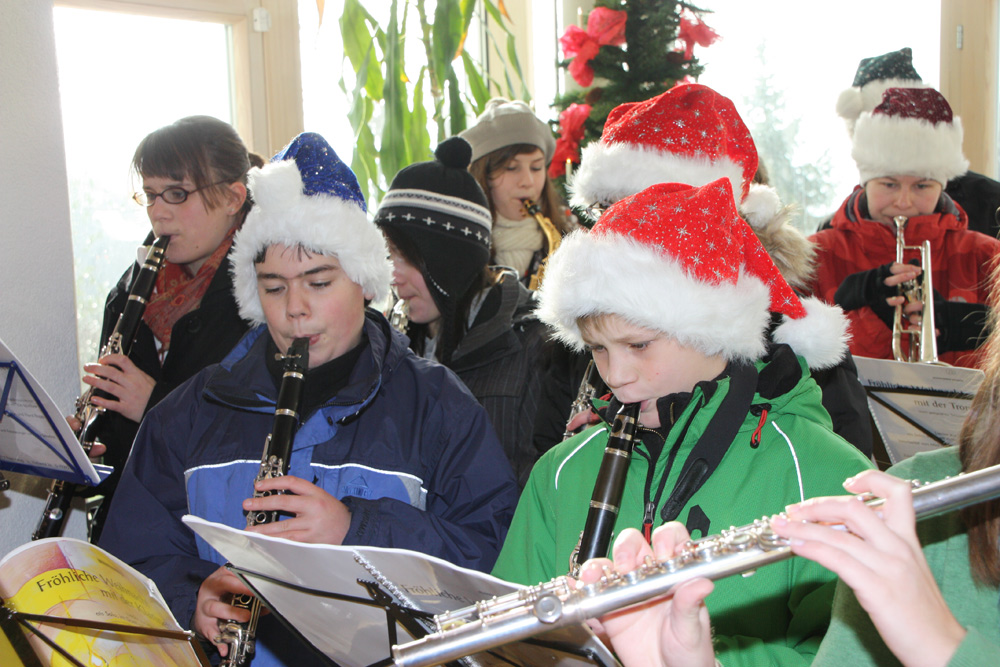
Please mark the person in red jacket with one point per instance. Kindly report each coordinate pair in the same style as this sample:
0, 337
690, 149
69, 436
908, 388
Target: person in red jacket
906, 149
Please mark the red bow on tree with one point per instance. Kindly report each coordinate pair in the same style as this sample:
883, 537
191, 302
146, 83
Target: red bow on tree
570, 133
605, 27
695, 32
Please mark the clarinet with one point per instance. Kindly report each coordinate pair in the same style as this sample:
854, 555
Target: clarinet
608, 489
241, 637
558, 603
584, 394
87, 413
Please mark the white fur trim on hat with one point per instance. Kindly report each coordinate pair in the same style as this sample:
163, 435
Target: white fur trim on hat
820, 337
283, 214
610, 172
594, 274
893, 146
762, 207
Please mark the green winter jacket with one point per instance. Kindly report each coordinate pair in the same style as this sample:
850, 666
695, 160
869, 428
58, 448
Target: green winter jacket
778, 615
853, 640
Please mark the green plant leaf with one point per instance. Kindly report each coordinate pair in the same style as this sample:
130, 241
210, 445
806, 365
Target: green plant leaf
419, 139
456, 105
392, 149
477, 85
359, 44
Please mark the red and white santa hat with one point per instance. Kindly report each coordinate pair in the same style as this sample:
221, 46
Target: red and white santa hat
680, 260
689, 134
912, 132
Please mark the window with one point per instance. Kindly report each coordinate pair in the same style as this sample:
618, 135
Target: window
784, 69
121, 76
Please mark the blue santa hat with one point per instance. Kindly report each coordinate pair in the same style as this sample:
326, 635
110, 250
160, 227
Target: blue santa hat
307, 197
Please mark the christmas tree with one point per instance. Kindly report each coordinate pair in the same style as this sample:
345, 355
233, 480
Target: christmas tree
630, 50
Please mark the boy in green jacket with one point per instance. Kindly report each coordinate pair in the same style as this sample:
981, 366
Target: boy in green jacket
672, 294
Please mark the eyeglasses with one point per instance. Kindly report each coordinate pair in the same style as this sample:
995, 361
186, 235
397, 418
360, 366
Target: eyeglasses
174, 195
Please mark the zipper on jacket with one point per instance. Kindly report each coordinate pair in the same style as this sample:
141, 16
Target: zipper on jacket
760, 410
650, 507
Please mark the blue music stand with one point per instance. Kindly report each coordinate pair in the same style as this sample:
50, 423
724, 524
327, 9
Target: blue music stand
34, 437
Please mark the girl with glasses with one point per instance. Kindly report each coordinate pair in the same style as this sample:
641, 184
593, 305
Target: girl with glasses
193, 177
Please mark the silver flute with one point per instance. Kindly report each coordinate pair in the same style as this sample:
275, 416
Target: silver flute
558, 603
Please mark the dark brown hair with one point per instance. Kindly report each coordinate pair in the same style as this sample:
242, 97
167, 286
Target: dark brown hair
979, 447
454, 322
490, 165
202, 148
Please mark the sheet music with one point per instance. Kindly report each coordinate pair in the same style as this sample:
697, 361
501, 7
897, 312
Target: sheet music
930, 397
72, 579
428, 583
34, 436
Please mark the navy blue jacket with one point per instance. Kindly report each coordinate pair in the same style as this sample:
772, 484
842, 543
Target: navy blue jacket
405, 446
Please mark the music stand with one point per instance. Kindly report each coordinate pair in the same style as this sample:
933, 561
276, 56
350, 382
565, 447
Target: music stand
310, 587
34, 436
15, 625
915, 407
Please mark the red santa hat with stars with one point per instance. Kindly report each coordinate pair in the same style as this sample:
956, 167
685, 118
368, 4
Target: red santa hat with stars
688, 134
680, 260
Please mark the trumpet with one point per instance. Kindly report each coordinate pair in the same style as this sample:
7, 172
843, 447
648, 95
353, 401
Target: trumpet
558, 603
552, 239
923, 341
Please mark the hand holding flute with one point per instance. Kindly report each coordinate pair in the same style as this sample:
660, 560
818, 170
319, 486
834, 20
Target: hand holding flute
878, 556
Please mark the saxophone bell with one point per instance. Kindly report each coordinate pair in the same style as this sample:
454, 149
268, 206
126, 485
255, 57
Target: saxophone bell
552, 239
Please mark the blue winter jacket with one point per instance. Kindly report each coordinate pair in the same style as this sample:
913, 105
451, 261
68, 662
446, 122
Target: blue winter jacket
405, 446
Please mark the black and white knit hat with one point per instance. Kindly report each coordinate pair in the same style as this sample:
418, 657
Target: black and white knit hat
875, 75
439, 207
307, 197
912, 132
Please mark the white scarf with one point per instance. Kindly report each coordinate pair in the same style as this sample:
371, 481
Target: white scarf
516, 241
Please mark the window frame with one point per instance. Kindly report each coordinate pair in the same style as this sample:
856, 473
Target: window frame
265, 67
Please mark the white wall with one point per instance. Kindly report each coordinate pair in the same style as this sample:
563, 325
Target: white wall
37, 310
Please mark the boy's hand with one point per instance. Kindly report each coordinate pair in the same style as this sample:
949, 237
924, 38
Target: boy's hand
210, 608
318, 517
668, 631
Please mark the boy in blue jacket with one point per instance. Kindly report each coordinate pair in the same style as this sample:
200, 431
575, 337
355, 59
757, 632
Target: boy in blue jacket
392, 450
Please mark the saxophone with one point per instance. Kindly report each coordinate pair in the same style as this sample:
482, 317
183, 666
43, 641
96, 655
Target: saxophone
558, 603
241, 637
552, 239
87, 413
608, 489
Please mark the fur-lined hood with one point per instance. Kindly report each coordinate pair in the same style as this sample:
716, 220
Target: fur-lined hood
791, 251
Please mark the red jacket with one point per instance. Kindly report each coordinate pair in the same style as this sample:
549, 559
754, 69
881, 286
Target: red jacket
961, 261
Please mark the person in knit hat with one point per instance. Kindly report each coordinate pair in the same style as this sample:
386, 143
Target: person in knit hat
474, 318
672, 295
907, 149
692, 134
391, 450
977, 194
511, 151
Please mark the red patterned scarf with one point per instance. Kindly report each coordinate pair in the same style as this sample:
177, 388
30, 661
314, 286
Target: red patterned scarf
176, 293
